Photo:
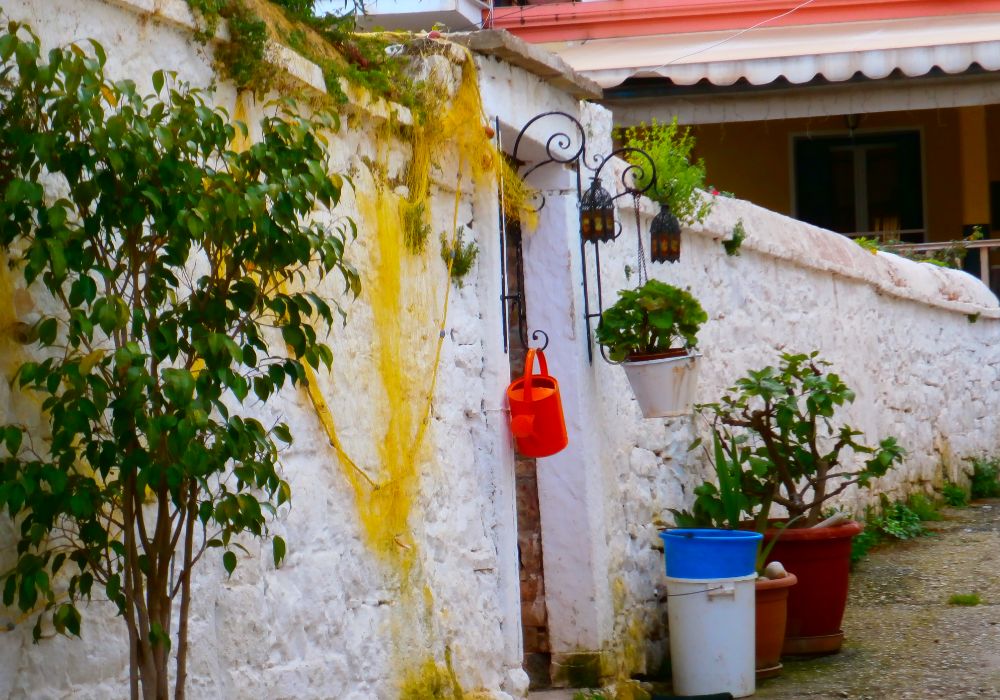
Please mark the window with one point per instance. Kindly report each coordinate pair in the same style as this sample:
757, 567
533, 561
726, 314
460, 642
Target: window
867, 184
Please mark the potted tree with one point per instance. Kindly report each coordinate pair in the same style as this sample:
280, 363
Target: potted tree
779, 444
652, 332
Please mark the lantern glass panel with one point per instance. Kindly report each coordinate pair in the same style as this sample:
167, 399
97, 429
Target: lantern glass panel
665, 237
597, 214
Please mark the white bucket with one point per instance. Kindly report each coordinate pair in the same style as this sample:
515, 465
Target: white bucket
664, 387
712, 635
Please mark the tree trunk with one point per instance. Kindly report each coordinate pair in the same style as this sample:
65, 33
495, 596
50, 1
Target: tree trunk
130, 609
182, 630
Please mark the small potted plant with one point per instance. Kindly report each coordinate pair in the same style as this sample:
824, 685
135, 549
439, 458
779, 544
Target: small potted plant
652, 331
777, 443
679, 178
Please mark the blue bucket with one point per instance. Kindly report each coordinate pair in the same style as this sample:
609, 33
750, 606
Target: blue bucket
701, 554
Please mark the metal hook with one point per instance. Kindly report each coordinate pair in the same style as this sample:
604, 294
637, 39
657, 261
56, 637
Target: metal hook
534, 336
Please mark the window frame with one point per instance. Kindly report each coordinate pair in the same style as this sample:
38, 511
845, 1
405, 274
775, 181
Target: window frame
920, 235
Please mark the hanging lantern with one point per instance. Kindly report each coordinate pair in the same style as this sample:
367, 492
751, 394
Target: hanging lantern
665, 236
597, 214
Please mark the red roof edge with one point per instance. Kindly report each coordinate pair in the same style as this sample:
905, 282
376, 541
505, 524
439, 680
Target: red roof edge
568, 21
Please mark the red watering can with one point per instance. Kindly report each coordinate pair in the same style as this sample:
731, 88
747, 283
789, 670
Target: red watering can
536, 416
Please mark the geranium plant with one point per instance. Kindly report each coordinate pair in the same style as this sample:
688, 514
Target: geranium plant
652, 319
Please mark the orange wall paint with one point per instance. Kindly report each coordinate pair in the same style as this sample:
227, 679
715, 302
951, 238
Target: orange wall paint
753, 159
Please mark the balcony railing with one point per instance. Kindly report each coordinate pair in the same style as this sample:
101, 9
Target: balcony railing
984, 245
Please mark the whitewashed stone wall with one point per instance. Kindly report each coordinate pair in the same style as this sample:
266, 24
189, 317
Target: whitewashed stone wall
337, 621
917, 343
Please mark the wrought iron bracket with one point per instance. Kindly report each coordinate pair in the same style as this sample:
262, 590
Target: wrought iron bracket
515, 300
568, 146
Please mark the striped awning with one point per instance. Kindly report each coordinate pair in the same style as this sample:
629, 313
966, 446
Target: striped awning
799, 54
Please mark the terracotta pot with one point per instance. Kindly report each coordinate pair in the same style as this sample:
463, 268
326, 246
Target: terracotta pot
820, 558
772, 609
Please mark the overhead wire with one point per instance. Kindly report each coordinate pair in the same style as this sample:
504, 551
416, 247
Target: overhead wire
737, 35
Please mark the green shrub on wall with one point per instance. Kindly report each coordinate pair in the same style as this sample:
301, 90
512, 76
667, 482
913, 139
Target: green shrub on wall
678, 177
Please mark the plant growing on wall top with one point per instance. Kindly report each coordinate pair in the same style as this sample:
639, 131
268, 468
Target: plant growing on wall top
174, 264
326, 39
953, 255
678, 178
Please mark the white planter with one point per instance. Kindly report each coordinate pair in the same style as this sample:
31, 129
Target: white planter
712, 635
664, 387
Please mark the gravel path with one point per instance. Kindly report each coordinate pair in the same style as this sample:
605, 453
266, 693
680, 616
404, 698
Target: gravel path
903, 640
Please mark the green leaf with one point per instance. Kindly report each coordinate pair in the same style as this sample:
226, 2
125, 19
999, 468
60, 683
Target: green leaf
47, 330
9, 590
67, 619
19, 190
278, 550
728, 485
229, 562
6, 46
284, 493
178, 386
294, 338
12, 437
282, 432
27, 593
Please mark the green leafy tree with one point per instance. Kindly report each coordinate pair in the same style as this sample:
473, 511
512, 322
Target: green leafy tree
178, 270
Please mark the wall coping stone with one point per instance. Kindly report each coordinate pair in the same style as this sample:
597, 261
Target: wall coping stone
537, 61
784, 238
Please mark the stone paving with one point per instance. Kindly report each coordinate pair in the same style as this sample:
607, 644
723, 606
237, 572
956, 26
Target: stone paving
903, 639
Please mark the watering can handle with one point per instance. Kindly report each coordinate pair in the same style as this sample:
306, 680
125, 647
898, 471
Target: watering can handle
529, 368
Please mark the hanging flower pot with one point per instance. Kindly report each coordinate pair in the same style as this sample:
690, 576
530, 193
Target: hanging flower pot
664, 386
536, 416
651, 331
